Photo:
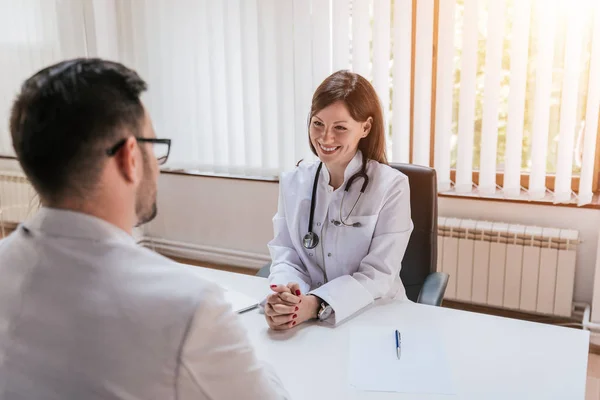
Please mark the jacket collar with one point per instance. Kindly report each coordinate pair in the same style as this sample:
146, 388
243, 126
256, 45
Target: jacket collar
72, 224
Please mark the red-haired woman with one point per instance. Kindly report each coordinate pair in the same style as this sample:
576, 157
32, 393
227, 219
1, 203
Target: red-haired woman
343, 223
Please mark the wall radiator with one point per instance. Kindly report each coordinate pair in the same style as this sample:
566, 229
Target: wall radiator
524, 268
18, 199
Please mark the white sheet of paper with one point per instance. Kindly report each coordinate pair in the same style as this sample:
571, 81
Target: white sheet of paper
239, 301
422, 368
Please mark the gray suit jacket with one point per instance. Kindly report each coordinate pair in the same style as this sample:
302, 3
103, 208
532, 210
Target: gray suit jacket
86, 313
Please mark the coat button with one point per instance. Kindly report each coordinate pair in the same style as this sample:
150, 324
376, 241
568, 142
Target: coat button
328, 254
310, 254
318, 224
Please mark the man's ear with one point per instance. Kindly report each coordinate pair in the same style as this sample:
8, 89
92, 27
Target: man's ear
128, 162
367, 127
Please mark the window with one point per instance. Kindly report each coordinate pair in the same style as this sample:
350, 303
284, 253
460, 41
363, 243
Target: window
526, 75
33, 35
500, 95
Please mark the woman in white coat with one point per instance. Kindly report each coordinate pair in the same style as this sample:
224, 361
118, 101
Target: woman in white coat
343, 222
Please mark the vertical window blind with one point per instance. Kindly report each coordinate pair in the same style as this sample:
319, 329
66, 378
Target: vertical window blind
243, 108
501, 97
34, 33
522, 77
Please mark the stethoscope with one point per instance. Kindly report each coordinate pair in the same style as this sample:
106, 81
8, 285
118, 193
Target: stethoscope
311, 239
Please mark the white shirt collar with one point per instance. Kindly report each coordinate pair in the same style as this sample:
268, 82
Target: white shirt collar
72, 224
353, 167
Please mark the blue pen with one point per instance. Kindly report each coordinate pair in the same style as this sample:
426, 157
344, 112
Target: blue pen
398, 344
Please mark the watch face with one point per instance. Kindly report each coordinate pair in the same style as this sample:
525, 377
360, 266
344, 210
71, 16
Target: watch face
325, 313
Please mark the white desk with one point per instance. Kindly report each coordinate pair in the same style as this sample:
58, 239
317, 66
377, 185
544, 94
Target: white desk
491, 357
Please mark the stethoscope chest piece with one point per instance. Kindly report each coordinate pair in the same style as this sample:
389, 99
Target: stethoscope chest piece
310, 240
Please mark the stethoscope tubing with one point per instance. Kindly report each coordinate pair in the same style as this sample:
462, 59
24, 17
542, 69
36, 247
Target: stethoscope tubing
311, 239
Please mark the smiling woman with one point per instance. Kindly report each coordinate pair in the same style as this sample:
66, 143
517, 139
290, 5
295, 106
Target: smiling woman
345, 116
351, 252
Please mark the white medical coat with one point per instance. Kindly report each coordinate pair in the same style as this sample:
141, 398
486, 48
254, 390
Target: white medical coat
351, 266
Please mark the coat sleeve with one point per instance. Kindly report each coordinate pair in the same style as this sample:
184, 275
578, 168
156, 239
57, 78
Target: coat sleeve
217, 360
286, 265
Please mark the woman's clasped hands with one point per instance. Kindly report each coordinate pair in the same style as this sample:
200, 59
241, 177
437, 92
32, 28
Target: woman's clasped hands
287, 307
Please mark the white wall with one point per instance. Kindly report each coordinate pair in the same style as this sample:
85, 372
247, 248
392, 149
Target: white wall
206, 215
227, 214
9, 165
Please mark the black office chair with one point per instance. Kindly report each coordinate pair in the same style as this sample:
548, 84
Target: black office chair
423, 285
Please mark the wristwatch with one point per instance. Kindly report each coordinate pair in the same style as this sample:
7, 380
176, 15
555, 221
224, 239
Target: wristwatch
325, 311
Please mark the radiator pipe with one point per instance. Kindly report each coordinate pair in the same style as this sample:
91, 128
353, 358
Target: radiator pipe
585, 322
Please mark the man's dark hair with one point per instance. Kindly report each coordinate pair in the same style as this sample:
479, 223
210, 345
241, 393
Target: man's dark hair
66, 116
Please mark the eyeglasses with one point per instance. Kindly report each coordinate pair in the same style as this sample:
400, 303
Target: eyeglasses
160, 147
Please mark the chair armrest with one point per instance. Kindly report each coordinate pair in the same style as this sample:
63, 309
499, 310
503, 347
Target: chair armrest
434, 287
264, 271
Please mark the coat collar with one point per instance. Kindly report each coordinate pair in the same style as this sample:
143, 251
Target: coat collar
71, 224
353, 167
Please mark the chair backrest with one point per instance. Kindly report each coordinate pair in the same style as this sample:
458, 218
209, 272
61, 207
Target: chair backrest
420, 258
